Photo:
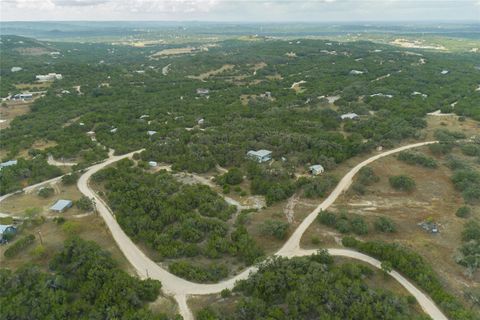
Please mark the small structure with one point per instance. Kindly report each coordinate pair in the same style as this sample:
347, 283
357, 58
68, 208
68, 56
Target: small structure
382, 95
152, 164
113, 130
444, 72
8, 164
151, 132
22, 96
48, 77
6, 229
201, 122
350, 115
16, 69
61, 205
260, 155
316, 169
356, 72
203, 91
143, 116
90, 133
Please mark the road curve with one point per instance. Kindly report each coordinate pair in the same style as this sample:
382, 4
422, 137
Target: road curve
181, 288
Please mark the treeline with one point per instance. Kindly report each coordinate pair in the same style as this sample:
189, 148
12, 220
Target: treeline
413, 266
83, 282
26, 172
174, 219
413, 158
311, 288
470, 248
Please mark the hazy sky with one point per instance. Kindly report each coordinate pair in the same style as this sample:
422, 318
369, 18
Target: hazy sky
241, 10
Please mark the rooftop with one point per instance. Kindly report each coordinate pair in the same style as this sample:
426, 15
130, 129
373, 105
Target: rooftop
61, 205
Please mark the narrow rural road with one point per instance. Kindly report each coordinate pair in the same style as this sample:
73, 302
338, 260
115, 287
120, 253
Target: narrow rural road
181, 288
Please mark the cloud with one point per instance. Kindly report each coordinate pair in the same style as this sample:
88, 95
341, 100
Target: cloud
79, 3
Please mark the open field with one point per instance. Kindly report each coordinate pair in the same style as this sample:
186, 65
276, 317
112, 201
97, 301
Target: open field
12, 110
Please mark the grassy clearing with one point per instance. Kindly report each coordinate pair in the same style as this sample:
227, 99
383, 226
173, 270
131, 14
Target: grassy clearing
12, 110
208, 74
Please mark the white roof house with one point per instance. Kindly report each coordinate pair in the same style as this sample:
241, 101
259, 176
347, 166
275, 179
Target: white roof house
444, 72
316, 169
16, 69
151, 132
203, 91
201, 121
383, 95
22, 96
260, 155
49, 77
349, 115
8, 164
61, 205
356, 72
152, 163
113, 130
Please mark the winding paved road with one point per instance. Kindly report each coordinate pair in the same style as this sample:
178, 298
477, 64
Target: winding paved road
181, 288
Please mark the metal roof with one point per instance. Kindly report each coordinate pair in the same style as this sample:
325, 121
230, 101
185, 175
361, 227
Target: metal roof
60, 205
4, 227
260, 153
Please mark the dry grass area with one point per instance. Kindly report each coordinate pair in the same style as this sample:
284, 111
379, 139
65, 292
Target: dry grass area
173, 52
32, 51
34, 86
469, 127
276, 76
434, 198
12, 110
208, 74
87, 226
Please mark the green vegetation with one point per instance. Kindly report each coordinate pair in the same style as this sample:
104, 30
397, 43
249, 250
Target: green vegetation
344, 222
365, 177
175, 220
470, 249
275, 228
209, 273
402, 183
463, 212
233, 177
384, 224
468, 182
70, 179
417, 158
19, 246
414, 267
46, 192
311, 288
84, 204
84, 282
26, 171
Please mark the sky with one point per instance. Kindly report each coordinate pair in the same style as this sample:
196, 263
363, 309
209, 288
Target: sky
241, 10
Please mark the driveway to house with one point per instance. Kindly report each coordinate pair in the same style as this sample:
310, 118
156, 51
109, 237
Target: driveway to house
181, 288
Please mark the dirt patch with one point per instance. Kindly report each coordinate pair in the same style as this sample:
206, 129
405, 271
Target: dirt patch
32, 51
33, 86
276, 76
206, 75
174, 51
296, 86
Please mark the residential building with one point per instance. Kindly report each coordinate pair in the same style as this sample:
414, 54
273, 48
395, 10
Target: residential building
48, 77
22, 96
16, 69
152, 163
350, 116
6, 229
316, 169
203, 91
260, 155
61, 205
8, 164
151, 132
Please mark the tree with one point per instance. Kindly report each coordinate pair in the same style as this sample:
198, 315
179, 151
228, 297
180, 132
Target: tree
384, 224
275, 228
46, 192
84, 204
402, 183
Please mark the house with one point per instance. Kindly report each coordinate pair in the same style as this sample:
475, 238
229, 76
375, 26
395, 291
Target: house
260, 155
113, 130
383, 95
151, 132
6, 229
201, 122
22, 96
351, 116
203, 91
356, 72
61, 205
16, 69
444, 72
48, 77
90, 133
152, 163
316, 169
8, 164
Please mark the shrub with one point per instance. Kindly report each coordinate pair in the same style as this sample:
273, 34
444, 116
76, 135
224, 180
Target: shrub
417, 158
234, 176
211, 273
440, 148
471, 150
359, 226
70, 179
46, 192
71, 227
19, 245
59, 220
327, 218
84, 204
275, 228
384, 224
39, 251
402, 183
225, 293
463, 212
